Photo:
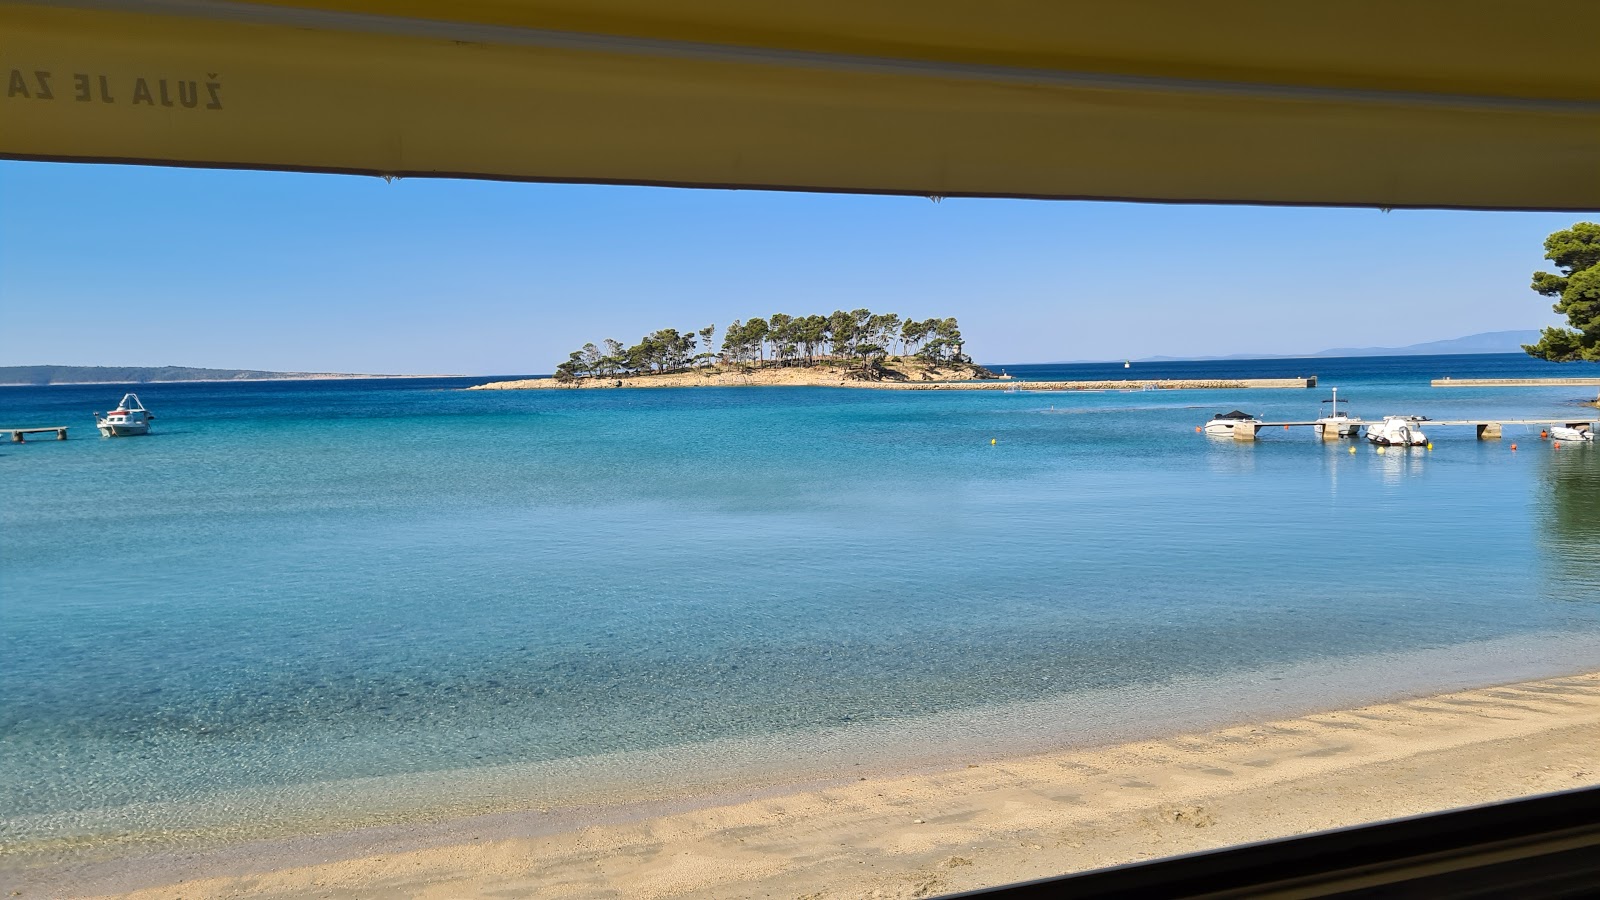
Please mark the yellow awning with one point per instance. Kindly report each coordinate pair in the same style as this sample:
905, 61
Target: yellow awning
1396, 103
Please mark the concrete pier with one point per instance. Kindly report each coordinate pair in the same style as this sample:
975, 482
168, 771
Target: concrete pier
1486, 430
1515, 382
18, 435
1165, 384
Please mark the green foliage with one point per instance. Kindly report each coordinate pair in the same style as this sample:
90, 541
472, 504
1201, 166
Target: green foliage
855, 336
1576, 252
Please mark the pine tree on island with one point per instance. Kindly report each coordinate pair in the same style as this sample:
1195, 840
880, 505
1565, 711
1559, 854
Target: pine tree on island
863, 343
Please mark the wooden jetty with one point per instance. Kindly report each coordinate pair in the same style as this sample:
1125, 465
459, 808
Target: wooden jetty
1488, 430
18, 435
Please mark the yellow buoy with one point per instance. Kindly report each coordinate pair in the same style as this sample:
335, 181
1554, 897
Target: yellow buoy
1352, 449
991, 442
1430, 445
1380, 449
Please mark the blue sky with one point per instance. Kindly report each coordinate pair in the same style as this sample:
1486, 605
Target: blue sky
121, 265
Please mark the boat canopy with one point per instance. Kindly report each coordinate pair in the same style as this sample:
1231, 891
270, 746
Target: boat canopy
1236, 414
1424, 103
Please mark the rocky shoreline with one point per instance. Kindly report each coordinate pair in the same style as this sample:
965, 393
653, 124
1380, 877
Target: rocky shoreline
765, 378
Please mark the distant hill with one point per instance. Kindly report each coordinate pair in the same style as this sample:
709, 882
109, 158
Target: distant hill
38, 375
1487, 342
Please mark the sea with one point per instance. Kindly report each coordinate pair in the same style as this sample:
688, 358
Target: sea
302, 606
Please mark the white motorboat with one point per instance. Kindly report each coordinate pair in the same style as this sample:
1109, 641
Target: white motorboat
1576, 433
129, 418
1338, 420
1398, 431
1222, 424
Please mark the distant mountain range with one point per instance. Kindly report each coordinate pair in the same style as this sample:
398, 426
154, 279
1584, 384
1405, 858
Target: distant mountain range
1487, 342
38, 375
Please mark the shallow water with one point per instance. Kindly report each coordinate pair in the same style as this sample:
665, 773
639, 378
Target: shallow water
291, 585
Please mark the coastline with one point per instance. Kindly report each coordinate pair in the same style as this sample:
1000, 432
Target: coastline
1010, 812
691, 381
298, 376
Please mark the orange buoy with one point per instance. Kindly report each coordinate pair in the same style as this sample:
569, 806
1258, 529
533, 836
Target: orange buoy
1197, 429
1558, 445
1513, 446
1544, 435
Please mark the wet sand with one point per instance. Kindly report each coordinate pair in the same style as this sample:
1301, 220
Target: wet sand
928, 832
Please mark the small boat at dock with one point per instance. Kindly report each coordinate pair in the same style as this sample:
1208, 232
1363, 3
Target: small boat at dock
1222, 424
1338, 420
1398, 431
128, 419
1576, 433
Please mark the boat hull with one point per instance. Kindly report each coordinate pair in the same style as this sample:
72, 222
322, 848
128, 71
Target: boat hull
124, 430
1405, 438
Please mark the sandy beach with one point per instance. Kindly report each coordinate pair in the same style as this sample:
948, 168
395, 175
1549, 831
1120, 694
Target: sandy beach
926, 832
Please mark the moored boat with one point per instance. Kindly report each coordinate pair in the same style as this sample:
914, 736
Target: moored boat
128, 419
1575, 433
1398, 431
1337, 422
1222, 424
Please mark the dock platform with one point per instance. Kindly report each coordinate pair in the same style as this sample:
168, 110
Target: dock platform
18, 435
1488, 429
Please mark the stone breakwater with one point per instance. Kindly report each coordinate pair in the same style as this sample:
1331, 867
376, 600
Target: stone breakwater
1516, 382
1520, 382
1203, 384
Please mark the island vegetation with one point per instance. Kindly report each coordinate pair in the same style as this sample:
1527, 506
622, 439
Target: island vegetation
1576, 253
858, 345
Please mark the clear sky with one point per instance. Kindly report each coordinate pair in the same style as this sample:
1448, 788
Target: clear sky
121, 265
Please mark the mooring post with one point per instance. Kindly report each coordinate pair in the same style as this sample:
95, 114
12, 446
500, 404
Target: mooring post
16, 437
61, 434
1489, 431
1244, 431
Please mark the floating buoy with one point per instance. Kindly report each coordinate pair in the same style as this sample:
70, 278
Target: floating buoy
1380, 449
1285, 428
1513, 446
1544, 435
991, 442
1197, 429
1352, 450
1558, 445
1430, 445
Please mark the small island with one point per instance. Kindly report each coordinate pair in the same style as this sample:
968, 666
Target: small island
856, 348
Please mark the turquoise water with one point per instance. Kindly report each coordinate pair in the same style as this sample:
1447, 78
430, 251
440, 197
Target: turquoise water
298, 584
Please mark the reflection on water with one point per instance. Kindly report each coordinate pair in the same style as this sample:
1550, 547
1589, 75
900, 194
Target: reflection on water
1396, 463
1572, 521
